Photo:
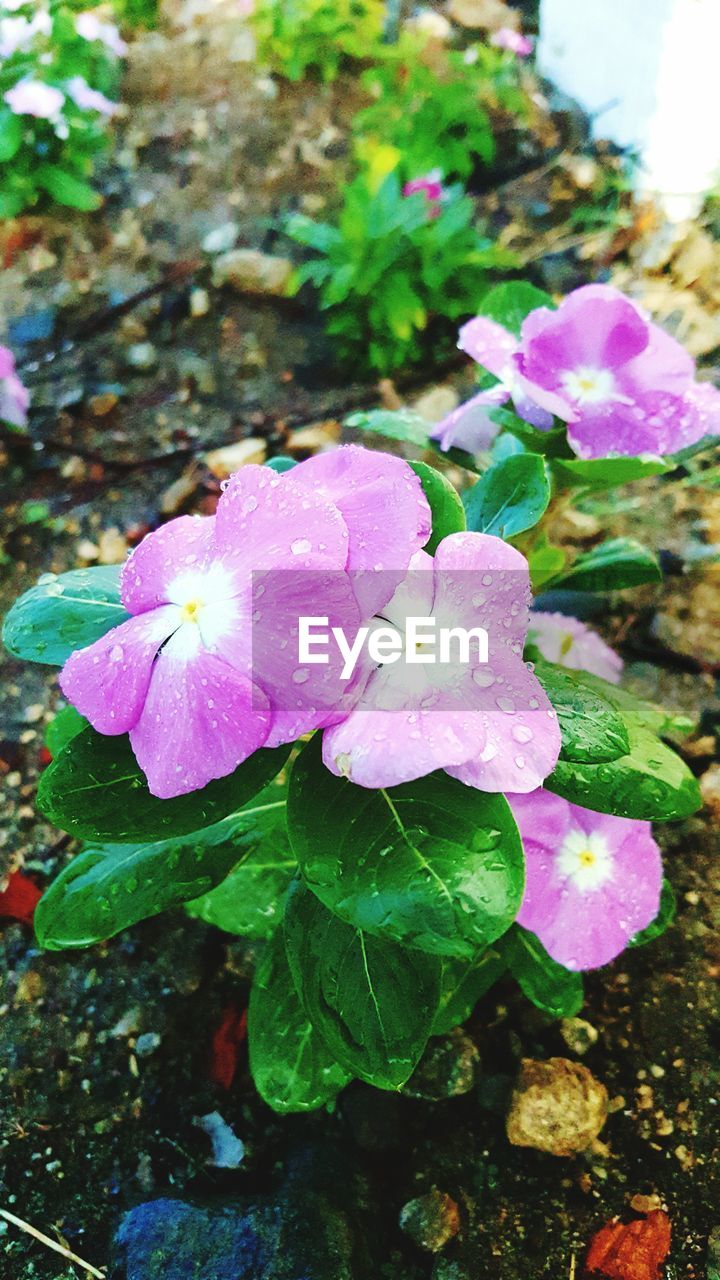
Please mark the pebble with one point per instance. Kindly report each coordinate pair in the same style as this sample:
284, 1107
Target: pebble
578, 1034
141, 355
447, 1069
221, 239
223, 462
557, 1106
147, 1043
102, 404
436, 404
112, 546
199, 302
431, 1220
314, 438
228, 1151
253, 272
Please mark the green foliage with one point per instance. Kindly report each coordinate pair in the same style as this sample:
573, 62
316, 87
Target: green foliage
448, 513
298, 36
95, 789
435, 114
649, 782
63, 613
510, 497
462, 984
388, 267
291, 1064
508, 304
432, 864
372, 1001
592, 727
249, 901
663, 919
53, 158
556, 990
611, 566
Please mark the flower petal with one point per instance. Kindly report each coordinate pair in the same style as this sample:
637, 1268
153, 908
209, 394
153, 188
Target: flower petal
470, 426
488, 343
179, 547
108, 680
594, 326
269, 521
378, 748
200, 720
386, 512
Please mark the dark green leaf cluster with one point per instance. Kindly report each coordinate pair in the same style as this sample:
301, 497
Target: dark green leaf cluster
318, 36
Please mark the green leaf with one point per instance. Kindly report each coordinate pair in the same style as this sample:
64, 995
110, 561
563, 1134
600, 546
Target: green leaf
607, 473
281, 463
400, 424
663, 919
95, 789
11, 134
432, 864
448, 513
64, 613
66, 188
592, 728
510, 497
372, 1001
509, 304
249, 900
290, 1063
66, 725
463, 983
613, 565
549, 985
110, 887
651, 782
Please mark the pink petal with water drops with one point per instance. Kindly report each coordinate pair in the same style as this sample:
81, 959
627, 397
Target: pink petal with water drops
200, 720
270, 521
376, 748
487, 342
570, 643
179, 547
594, 326
386, 512
107, 681
582, 924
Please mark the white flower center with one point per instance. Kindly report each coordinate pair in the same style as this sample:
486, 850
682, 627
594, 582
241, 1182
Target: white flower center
588, 386
585, 860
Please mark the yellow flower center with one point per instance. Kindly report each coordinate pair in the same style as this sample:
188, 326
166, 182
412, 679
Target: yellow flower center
191, 610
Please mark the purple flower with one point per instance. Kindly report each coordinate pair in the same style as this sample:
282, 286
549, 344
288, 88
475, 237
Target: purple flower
88, 99
90, 27
431, 187
34, 98
592, 881
490, 724
570, 643
206, 670
514, 41
623, 386
14, 397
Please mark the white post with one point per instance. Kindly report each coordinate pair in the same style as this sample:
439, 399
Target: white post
646, 71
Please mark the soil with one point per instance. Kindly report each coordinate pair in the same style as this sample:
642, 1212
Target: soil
95, 1119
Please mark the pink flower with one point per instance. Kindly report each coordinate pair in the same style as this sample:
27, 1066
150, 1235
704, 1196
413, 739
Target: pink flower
205, 671
570, 643
592, 881
619, 382
88, 99
431, 187
14, 397
90, 27
33, 98
18, 33
514, 41
490, 724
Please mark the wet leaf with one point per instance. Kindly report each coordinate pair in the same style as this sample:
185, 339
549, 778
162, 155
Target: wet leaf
663, 919
227, 1040
592, 728
448, 513
19, 898
510, 497
548, 984
606, 473
372, 1001
62, 728
396, 424
509, 304
64, 613
612, 566
463, 983
291, 1065
432, 864
95, 789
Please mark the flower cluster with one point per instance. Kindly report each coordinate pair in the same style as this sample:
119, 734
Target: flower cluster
59, 73
431, 188
622, 386
14, 395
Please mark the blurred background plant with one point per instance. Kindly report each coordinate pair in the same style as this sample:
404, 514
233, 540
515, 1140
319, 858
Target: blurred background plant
59, 74
395, 262
297, 36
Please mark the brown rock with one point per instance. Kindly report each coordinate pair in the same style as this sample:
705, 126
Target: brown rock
223, 462
431, 1220
253, 272
557, 1106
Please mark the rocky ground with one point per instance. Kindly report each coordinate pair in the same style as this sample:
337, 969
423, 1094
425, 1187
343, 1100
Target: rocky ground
160, 358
